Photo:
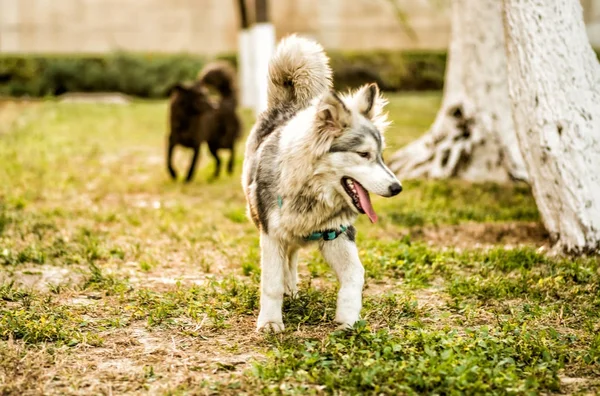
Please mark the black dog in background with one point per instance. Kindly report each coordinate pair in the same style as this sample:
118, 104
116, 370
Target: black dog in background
196, 118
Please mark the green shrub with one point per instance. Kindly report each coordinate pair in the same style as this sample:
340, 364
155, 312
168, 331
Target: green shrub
393, 71
145, 76
151, 76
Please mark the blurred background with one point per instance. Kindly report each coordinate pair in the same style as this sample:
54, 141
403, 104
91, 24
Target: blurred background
141, 47
208, 27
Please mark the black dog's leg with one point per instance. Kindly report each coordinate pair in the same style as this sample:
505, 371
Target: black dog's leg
231, 160
190, 174
172, 171
214, 150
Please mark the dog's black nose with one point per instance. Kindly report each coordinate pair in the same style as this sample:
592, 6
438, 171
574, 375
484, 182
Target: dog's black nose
395, 189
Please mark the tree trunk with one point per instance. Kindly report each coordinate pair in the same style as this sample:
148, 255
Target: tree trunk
554, 81
473, 135
263, 45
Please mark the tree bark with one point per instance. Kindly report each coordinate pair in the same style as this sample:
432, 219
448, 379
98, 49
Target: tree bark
473, 135
262, 11
244, 21
554, 81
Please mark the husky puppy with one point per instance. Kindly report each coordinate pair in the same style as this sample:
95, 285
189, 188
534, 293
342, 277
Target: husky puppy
311, 160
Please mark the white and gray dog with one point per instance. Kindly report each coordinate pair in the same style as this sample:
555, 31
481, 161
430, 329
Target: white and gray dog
311, 160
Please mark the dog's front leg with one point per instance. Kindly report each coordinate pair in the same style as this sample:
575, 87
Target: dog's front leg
273, 260
231, 160
192, 169
214, 150
172, 171
342, 255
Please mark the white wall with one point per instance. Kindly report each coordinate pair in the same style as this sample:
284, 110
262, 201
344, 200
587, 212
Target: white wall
207, 26
210, 26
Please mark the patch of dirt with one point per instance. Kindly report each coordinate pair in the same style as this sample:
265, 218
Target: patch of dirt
24, 371
583, 386
41, 277
431, 297
178, 267
379, 287
474, 235
83, 300
135, 360
157, 360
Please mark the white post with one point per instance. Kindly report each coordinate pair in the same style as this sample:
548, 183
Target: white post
263, 39
246, 72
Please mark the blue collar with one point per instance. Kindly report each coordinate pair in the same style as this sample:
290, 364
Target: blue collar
326, 235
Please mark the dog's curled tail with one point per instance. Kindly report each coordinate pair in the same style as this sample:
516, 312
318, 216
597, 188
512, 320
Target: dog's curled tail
298, 72
222, 76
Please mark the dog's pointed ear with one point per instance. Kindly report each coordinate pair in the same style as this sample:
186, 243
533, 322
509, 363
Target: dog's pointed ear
370, 103
366, 98
332, 114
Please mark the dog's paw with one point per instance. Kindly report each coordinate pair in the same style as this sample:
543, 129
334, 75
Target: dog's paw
346, 321
345, 326
291, 290
292, 294
270, 327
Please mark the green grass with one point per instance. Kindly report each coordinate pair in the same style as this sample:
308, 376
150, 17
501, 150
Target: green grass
113, 279
417, 361
453, 202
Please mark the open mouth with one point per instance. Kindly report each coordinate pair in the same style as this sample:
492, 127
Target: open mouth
360, 197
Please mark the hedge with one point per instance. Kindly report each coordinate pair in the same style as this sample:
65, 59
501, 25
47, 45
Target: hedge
151, 76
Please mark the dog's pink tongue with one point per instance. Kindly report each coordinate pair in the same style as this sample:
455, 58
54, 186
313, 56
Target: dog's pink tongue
365, 202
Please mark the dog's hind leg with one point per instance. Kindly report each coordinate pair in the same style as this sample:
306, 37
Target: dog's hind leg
273, 261
342, 255
172, 171
231, 160
214, 150
290, 274
192, 169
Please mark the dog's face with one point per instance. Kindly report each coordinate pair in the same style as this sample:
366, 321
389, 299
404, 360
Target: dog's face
352, 163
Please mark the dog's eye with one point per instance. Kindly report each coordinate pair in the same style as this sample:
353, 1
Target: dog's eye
364, 154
